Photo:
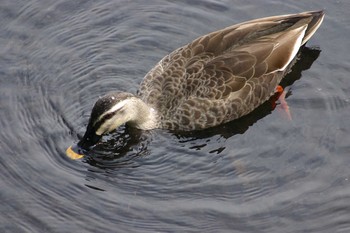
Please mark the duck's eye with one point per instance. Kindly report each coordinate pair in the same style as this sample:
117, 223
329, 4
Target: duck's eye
109, 115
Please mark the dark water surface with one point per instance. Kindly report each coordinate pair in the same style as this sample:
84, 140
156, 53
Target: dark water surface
263, 173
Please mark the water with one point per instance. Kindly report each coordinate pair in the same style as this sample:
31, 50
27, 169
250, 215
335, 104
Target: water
262, 173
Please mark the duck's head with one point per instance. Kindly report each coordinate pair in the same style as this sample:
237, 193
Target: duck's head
108, 113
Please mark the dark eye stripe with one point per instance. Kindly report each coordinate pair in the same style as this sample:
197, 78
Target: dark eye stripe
108, 116
104, 119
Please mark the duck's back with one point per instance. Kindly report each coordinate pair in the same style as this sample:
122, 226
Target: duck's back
226, 74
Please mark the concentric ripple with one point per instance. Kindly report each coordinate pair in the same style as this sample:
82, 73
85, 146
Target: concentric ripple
261, 173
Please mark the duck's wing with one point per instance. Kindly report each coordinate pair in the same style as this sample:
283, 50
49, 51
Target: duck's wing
226, 74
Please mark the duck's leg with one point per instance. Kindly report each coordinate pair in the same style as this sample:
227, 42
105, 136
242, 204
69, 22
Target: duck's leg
280, 96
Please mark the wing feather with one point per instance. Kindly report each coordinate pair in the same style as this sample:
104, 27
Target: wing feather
226, 74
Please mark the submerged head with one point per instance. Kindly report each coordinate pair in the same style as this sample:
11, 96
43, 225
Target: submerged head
108, 113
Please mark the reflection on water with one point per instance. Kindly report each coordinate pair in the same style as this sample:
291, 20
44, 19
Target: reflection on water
117, 149
261, 173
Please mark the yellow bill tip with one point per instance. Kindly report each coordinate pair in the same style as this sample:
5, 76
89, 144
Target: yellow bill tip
73, 155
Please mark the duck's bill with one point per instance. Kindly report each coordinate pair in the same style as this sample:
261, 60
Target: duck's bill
73, 153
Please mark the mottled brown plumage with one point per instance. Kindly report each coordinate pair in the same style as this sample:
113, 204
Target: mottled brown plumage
226, 74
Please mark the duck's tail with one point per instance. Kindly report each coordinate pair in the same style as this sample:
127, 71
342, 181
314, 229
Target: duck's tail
312, 19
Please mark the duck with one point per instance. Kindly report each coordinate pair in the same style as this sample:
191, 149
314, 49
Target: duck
214, 79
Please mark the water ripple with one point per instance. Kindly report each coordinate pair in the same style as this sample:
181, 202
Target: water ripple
261, 173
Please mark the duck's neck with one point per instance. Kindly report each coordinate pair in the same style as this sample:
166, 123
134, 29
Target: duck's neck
142, 116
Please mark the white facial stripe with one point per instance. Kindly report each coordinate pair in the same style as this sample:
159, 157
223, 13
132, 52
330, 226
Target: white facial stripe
114, 121
107, 125
116, 107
